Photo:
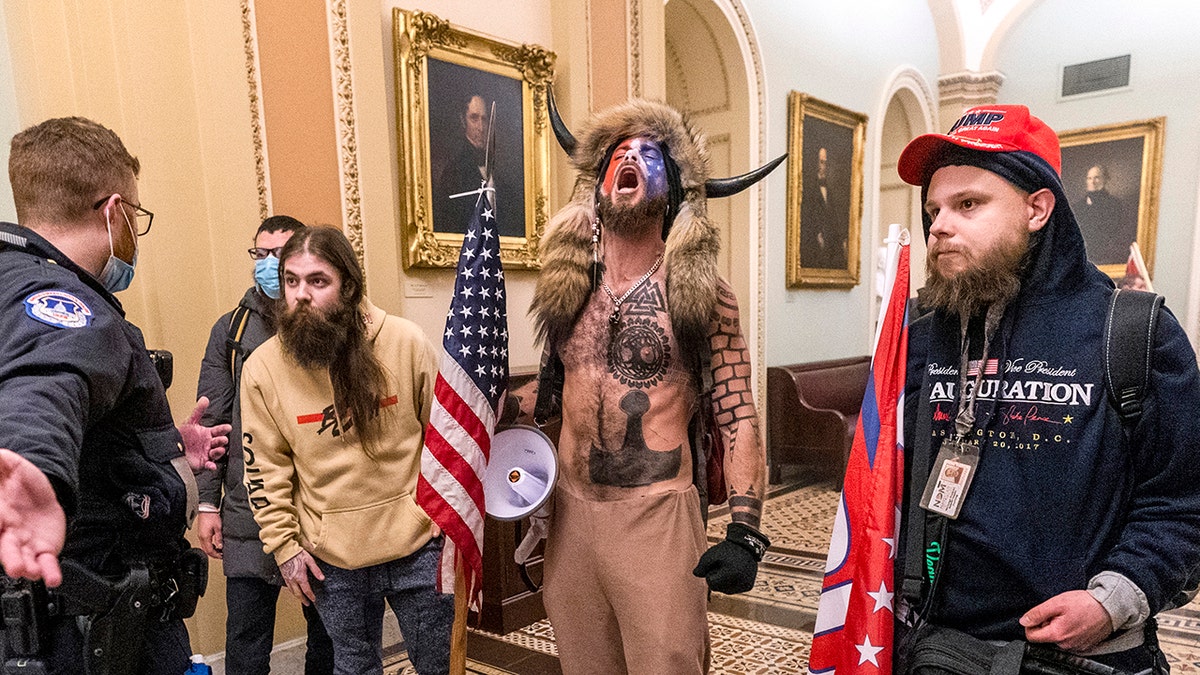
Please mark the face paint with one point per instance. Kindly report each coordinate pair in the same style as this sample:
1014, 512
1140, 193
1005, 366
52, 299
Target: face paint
637, 171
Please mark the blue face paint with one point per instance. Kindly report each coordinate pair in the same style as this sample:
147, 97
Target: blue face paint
266, 276
636, 162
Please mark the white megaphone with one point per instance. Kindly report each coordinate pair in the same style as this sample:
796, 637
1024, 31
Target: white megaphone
520, 473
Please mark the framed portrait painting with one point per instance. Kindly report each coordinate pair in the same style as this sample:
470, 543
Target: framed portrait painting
1111, 176
824, 193
470, 112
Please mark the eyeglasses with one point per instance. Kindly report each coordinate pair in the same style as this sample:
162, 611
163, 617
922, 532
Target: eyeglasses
258, 253
138, 214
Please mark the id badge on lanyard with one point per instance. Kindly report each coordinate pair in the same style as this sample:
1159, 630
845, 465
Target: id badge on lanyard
958, 457
953, 471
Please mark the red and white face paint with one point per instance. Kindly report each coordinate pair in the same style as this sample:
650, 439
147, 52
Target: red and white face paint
636, 173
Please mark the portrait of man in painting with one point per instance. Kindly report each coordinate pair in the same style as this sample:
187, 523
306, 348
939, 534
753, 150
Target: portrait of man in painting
461, 105
825, 197
1103, 184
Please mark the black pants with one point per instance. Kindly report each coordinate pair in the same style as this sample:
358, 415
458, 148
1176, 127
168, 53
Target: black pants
167, 649
250, 630
1136, 660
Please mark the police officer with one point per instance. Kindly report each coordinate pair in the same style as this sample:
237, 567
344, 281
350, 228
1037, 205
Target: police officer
92, 467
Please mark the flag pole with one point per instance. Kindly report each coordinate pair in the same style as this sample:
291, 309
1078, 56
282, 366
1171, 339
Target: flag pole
458, 632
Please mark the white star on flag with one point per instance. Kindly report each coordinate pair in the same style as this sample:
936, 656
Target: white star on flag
867, 651
487, 215
882, 598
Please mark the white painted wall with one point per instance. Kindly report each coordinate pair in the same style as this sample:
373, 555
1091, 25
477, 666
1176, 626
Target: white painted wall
1165, 70
842, 53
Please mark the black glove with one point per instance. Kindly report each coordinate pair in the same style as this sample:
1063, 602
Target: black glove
730, 566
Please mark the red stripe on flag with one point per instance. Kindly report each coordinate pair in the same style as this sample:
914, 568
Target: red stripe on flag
462, 412
440, 511
455, 464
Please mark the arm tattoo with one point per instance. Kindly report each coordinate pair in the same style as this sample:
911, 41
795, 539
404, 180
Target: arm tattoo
745, 509
732, 399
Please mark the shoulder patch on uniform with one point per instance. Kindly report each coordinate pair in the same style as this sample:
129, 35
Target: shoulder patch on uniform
59, 309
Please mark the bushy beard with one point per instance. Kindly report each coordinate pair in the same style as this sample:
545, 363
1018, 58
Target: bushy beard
995, 278
629, 220
312, 338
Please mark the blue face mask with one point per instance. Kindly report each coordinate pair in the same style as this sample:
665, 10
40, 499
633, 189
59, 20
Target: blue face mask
118, 274
266, 276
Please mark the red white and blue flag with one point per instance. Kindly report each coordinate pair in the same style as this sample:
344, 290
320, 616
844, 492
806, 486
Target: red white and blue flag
853, 631
470, 386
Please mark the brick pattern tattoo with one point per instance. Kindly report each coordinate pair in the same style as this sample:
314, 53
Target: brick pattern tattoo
733, 407
732, 398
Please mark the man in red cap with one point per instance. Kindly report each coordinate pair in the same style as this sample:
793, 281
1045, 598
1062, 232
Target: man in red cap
1068, 527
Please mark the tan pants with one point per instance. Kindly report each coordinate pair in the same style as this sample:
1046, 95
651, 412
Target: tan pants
619, 588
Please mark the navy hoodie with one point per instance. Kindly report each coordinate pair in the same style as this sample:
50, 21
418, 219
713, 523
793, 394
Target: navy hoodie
1060, 494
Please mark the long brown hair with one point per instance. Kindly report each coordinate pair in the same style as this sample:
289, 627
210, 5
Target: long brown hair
359, 379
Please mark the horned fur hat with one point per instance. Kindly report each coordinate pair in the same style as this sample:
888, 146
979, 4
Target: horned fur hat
693, 242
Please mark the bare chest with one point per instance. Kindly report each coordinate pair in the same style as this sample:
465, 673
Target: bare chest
627, 396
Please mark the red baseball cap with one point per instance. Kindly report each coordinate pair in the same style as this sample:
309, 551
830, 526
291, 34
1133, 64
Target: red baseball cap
990, 128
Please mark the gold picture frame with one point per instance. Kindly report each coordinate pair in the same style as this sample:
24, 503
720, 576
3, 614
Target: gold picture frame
1127, 158
446, 79
825, 146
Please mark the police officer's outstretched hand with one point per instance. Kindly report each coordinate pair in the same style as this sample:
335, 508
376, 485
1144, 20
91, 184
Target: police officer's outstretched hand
33, 526
295, 572
203, 445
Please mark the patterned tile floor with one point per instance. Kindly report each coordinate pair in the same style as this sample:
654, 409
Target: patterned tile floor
767, 631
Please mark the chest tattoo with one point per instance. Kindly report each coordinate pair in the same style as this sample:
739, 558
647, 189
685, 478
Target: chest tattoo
635, 464
639, 353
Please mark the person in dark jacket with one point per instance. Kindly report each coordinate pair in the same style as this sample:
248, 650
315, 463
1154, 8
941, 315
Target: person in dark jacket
226, 527
1071, 531
93, 471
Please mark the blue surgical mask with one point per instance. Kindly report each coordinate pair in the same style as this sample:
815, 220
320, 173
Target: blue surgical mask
266, 275
118, 274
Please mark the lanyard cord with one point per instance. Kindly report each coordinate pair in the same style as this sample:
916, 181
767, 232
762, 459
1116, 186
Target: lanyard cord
964, 419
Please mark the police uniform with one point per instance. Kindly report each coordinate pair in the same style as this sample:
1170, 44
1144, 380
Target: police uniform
84, 403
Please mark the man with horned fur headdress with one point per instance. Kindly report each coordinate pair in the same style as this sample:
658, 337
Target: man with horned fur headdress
636, 319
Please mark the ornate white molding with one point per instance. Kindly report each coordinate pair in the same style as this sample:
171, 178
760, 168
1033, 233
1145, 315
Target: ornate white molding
258, 132
343, 99
970, 87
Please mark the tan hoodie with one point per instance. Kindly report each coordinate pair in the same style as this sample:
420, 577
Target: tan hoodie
310, 483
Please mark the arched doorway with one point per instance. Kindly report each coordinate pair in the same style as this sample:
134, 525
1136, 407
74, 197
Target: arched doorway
909, 111
713, 75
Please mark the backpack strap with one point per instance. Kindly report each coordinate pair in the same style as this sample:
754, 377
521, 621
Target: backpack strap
1128, 345
233, 339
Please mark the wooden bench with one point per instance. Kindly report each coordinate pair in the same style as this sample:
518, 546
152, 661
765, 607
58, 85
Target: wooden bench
812, 410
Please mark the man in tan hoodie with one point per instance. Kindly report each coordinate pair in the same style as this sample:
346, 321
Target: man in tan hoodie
334, 410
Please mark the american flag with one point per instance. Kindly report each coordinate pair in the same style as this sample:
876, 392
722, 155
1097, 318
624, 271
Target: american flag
990, 368
853, 632
470, 386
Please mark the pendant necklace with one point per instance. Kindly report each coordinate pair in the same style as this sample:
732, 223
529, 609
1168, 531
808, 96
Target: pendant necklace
614, 319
